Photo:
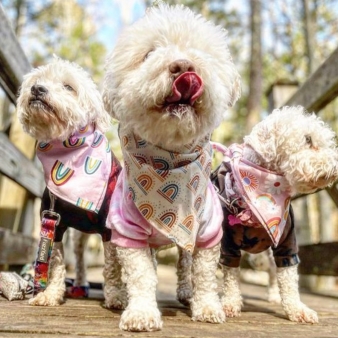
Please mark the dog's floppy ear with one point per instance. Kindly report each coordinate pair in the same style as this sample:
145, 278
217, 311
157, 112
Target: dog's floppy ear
262, 140
236, 91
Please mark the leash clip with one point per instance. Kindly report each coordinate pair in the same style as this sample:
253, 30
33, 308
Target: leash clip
51, 211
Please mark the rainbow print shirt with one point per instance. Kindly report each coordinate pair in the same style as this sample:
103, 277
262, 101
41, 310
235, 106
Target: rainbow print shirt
164, 194
262, 195
77, 169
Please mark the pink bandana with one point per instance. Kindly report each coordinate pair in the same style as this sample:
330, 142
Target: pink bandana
77, 169
264, 195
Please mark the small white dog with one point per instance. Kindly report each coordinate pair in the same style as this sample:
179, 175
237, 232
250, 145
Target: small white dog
169, 81
61, 107
289, 152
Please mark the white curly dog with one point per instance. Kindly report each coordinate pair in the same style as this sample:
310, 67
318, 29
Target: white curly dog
168, 81
61, 107
289, 152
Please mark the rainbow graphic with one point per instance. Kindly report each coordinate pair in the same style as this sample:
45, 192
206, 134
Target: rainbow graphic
144, 182
188, 247
125, 140
168, 219
198, 202
98, 139
108, 147
189, 222
160, 164
194, 183
140, 143
83, 204
84, 129
207, 169
44, 147
169, 191
132, 193
249, 180
59, 174
266, 197
91, 165
273, 224
159, 174
74, 142
141, 159
146, 210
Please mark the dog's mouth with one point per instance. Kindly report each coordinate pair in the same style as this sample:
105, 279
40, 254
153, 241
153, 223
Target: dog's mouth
39, 103
186, 90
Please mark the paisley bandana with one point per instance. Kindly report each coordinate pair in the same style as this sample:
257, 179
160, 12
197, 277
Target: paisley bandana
169, 188
263, 196
77, 169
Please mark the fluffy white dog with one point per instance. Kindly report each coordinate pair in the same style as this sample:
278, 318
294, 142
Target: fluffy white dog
287, 153
60, 106
169, 81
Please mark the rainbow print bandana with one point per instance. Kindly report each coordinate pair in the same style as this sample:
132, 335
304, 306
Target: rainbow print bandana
262, 195
77, 169
169, 188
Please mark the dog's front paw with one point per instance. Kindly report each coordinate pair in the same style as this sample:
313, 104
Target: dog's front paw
232, 306
141, 319
208, 313
302, 314
46, 299
115, 298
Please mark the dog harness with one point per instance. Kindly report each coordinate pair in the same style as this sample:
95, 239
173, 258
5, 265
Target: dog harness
165, 196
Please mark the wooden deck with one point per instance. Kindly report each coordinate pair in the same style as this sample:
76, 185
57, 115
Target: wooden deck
87, 318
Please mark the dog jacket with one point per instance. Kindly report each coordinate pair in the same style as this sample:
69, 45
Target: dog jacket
81, 172
256, 206
165, 196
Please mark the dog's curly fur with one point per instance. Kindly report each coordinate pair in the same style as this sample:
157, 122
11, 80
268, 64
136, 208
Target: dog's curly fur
148, 57
303, 148
56, 100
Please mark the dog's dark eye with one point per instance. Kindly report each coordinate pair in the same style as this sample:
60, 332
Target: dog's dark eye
147, 55
68, 87
308, 140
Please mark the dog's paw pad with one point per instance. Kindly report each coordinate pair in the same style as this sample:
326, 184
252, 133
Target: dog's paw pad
209, 314
42, 299
142, 319
304, 315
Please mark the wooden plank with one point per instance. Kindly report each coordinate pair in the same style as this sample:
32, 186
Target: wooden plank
13, 61
319, 259
321, 87
17, 167
16, 249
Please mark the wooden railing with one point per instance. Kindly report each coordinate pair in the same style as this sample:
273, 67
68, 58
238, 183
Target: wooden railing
315, 94
17, 246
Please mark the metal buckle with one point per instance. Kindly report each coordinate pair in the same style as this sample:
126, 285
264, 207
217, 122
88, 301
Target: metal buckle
53, 214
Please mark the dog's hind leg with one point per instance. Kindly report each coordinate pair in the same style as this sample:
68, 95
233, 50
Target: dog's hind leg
205, 303
184, 288
273, 290
142, 313
232, 298
115, 294
80, 240
56, 287
288, 285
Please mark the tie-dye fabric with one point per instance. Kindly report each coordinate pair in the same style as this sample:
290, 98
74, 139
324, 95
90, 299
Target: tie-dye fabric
170, 189
263, 197
77, 169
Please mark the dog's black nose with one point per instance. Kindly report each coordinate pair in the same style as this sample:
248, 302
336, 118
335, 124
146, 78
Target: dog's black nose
181, 66
39, 90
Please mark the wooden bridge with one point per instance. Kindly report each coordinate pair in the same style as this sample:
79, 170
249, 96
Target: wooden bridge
87, 318
21, 185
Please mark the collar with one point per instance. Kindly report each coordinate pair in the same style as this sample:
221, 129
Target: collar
77, 169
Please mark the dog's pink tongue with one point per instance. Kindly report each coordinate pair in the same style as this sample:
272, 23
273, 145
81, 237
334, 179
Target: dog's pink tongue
188, 87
